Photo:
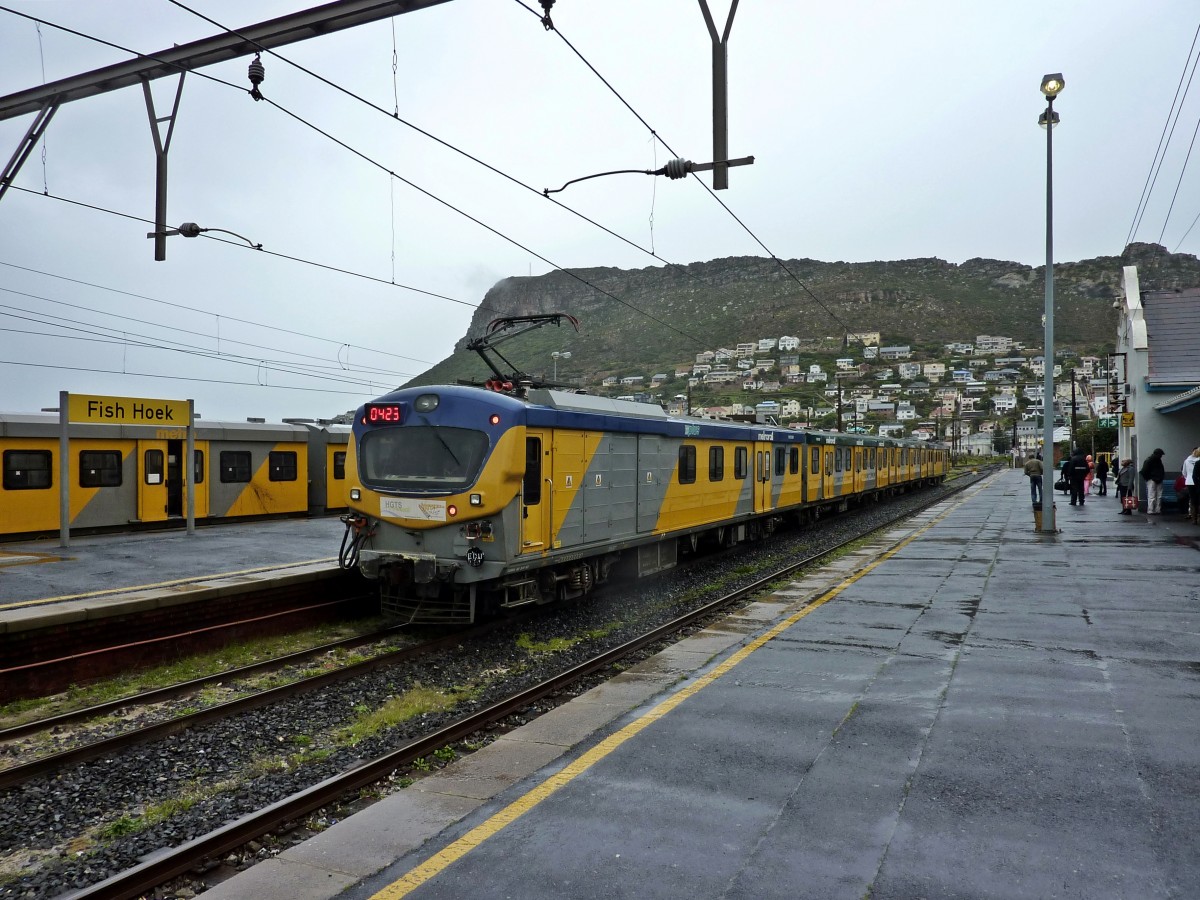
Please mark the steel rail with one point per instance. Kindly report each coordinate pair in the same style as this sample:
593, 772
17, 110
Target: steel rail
19, 774
179, 860
167, 692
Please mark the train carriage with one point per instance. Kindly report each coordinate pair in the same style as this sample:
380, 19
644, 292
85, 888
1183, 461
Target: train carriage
464, 499
134, 475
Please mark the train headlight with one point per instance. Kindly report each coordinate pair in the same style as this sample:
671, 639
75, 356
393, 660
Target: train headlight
452, 510
426, 403
477, 499
355, 494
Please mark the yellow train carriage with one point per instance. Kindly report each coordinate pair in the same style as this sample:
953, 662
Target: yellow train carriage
135, 475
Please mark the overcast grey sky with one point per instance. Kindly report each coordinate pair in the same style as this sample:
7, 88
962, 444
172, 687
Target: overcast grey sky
881, 130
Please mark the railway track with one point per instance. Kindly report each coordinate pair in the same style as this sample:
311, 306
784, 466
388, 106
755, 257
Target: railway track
47, 660
194, 854
23, 772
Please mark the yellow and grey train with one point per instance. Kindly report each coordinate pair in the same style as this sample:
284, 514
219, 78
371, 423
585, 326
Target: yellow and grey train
128, 476
463, 500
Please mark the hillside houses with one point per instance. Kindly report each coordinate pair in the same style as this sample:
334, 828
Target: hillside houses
879, 387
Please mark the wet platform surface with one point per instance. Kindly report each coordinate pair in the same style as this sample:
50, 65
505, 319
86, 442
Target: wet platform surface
40, 579
964, 708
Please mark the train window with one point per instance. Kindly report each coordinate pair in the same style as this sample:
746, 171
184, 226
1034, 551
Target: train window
814, 465
339, 465
687, 464
794, 460
27, 470
422, 458
99, 468
780, 460
716, 463
197, 467
153, 467
837, 459
235, 466
531, 486
741, 463
281, 466
828, 463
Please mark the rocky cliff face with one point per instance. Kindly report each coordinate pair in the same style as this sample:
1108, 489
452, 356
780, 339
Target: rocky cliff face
651, 319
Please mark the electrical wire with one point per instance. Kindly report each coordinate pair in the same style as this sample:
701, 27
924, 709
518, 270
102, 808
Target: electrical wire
101, 312
277, 387
1167, 133
370, 160
1182, 171
151, 343
396, 117
846, 328
299, 259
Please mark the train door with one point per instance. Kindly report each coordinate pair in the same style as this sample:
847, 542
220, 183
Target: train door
762, 477
536, 493
175, 504
153, 501
815, 483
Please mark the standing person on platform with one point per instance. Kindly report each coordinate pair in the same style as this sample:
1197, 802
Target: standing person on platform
1077, 474
1191, 481
1102, 475
1033, 470
1154, 472
1091, 473
1125, 483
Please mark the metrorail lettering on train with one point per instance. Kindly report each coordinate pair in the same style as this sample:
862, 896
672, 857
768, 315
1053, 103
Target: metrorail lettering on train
97, 409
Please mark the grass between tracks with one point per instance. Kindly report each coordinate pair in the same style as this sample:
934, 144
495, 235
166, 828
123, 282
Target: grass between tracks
189, 668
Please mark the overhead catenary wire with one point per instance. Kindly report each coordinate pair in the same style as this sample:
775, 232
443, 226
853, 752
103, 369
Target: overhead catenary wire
204, 312
101, 312
396, 116
370, 160
188, 378
700, 181
275, 253
163, 344
1164, 139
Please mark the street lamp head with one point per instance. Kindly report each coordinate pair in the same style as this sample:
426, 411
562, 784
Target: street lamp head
1048, 120
1052, 84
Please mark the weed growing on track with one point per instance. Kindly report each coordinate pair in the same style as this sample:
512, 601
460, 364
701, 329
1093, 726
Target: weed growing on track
187, 669
417, 701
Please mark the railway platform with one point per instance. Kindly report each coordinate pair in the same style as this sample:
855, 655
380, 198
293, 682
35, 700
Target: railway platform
43, 584
963, 708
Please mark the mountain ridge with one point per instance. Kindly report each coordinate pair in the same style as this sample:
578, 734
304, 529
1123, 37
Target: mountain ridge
644, 321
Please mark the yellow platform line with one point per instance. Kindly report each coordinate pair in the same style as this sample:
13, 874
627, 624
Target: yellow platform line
160, 584
437, 863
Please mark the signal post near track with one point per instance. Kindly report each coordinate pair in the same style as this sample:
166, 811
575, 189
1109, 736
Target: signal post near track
100, 410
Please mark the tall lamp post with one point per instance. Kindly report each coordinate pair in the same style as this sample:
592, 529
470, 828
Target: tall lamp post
1051, 86
559, 354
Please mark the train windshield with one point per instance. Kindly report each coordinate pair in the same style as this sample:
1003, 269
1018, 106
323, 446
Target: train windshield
422, 458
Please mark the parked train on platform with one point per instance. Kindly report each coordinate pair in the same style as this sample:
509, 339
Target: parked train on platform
125, 476
464, 500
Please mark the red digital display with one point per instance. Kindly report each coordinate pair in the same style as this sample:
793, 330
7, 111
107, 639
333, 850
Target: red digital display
381, 414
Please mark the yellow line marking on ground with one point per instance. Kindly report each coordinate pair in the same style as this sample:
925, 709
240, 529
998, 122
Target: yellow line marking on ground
147, 587
437, 863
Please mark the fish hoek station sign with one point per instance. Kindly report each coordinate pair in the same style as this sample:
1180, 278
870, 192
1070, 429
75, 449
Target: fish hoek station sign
97, 410
127, 410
